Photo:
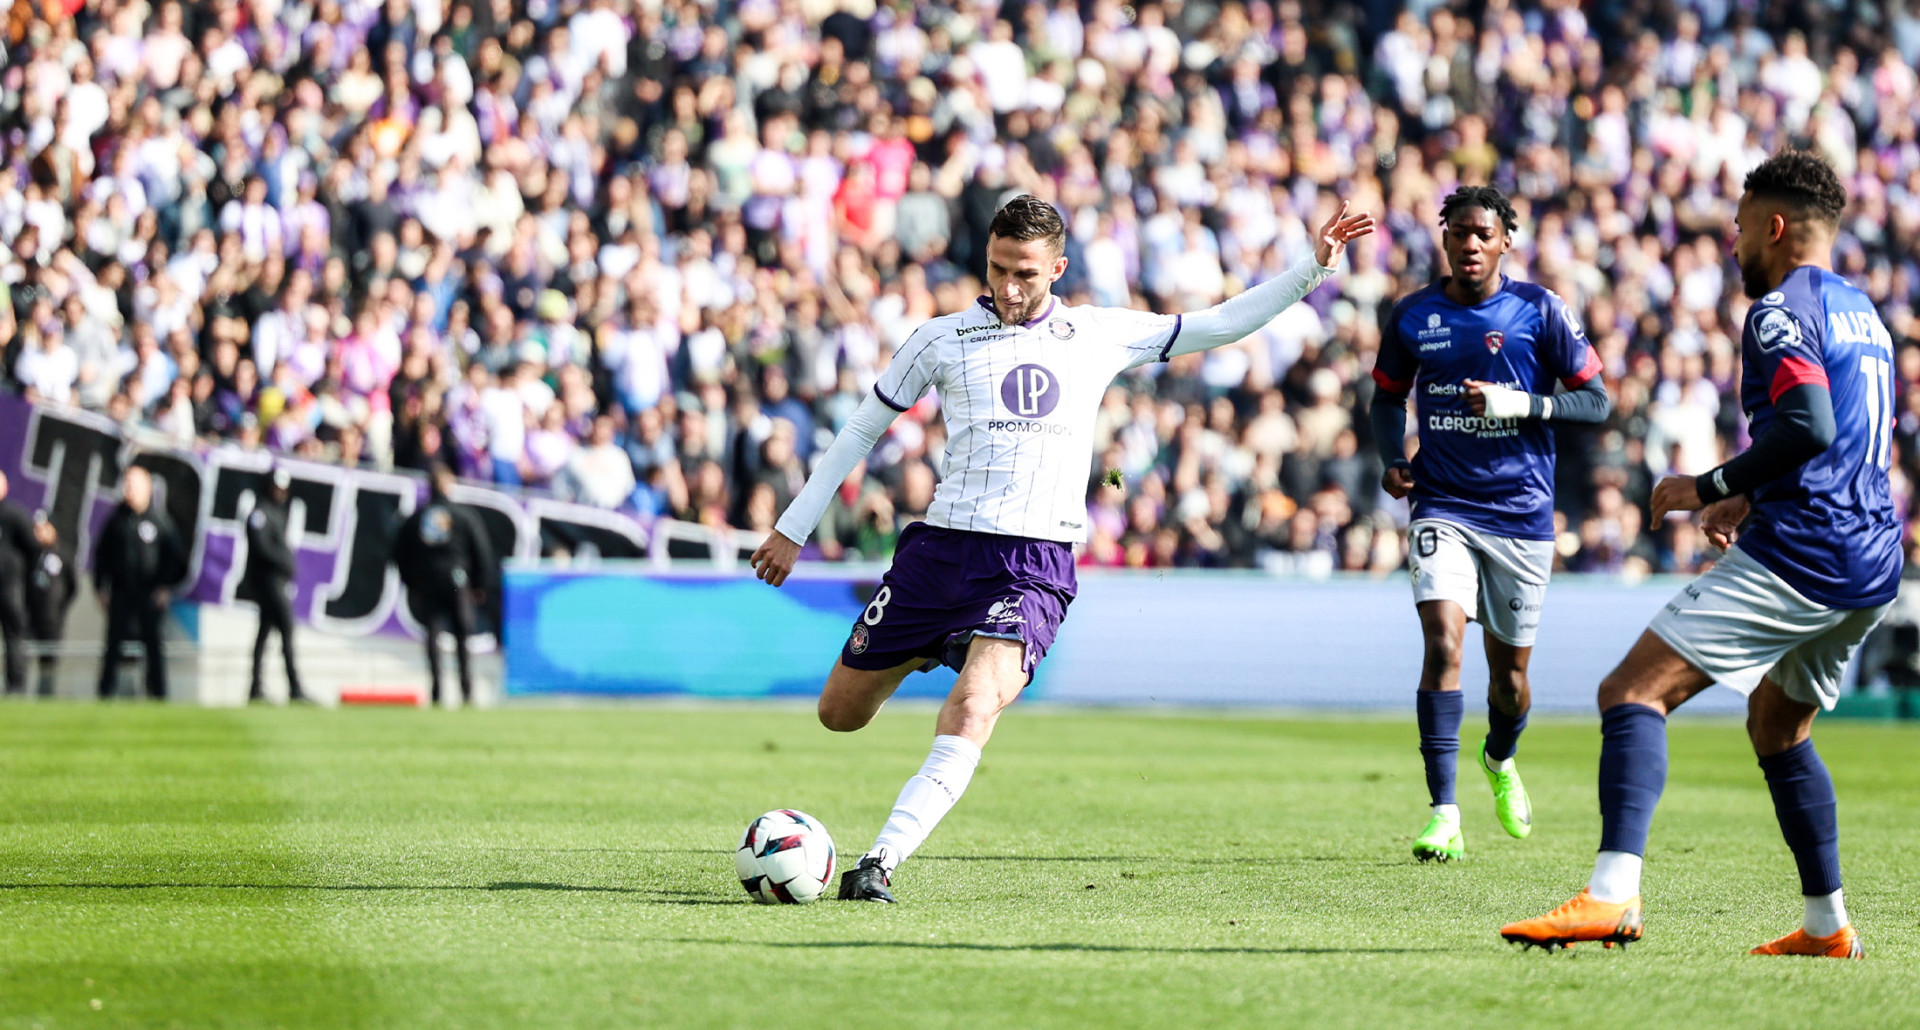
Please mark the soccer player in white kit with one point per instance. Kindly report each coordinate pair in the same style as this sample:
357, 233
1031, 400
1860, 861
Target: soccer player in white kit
983, 584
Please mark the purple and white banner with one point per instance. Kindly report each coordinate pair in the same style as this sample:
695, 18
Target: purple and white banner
69, 463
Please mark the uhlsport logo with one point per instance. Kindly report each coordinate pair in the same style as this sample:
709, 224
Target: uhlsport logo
1495, 340
1030, 391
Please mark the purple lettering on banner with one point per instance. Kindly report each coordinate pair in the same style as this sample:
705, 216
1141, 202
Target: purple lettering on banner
68, 462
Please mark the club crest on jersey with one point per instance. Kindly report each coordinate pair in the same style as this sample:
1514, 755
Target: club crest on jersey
858, 642
1495, 340
1030, 391
1061, 330
1775, 329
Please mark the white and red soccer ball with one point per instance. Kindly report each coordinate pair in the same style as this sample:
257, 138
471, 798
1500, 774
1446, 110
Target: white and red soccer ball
785, 858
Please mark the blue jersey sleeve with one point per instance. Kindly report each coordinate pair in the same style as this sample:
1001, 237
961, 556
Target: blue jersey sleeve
1565, 353
1783, 352
1395, 366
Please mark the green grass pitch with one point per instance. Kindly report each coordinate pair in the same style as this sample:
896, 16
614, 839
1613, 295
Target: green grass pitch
164, 866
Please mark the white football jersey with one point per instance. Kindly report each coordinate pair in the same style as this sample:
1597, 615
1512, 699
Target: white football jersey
1019, 402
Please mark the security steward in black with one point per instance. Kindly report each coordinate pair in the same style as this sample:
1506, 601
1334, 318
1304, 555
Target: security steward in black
269, 575
51, 585
447, 565
16, 543
137, 559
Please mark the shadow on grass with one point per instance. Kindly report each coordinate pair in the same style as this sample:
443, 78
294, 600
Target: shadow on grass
1158, 859
658, 897
1126, 949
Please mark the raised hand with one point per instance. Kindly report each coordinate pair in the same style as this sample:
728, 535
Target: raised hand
1337, 233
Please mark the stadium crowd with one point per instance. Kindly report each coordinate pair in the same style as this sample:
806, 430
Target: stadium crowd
649, 254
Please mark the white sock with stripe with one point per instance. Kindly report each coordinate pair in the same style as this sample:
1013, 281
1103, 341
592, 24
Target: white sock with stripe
926, 799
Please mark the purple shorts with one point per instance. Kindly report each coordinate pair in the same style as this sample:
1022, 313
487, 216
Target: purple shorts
948, 586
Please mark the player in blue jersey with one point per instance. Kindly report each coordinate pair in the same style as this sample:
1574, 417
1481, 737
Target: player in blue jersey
1483, 353
1814, 569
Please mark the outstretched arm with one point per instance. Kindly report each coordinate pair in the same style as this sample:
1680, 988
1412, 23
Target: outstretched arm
774, 559
1236, 319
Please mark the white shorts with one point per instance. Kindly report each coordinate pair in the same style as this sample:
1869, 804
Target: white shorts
1740, 623
1499, 581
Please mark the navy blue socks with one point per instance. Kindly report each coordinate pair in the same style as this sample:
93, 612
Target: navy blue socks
1440, 714
1503, 733
1803, 800
1633, 772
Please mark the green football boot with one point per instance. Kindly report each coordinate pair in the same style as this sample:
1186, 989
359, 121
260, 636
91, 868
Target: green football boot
1441, 840
1510, 801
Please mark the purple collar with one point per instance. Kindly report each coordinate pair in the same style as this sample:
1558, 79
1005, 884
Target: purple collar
1052, 302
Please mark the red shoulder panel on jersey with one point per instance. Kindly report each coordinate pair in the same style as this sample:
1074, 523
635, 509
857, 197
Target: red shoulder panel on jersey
1794, 371
1391, 385
1587, 371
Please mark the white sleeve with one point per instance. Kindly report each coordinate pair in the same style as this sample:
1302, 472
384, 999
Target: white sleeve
909, 373
869, 422
1236, 319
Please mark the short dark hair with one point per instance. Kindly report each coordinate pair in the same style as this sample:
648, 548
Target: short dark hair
1468, 197
1027, 217
1803, 180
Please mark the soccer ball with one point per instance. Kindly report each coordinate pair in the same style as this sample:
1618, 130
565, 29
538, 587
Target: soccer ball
785, 858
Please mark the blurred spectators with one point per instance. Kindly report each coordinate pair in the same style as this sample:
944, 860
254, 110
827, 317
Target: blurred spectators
648, 254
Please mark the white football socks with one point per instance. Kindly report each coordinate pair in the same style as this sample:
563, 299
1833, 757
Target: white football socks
1452, 812
1826, 914
1616, 877
926, 799
1502, 765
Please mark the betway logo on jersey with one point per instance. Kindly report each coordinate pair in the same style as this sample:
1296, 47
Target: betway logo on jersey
1436, 336
970, 330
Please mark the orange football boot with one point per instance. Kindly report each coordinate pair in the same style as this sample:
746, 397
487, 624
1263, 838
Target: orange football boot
1585, 918
1844, 944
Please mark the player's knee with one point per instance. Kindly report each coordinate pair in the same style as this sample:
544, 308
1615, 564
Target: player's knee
841, 717
1509, 686
1443, 652
1621, 689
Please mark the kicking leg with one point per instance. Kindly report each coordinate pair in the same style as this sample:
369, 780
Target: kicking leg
1781, 729
1443, 625
1635, 698
1509, 699
994, 674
